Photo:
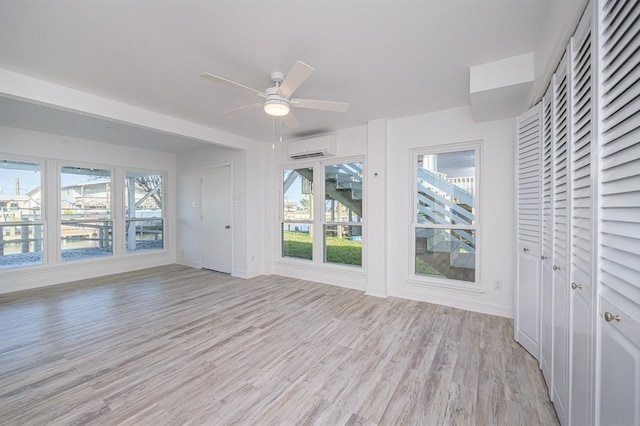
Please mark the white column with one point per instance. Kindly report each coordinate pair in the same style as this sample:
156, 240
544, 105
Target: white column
376, 208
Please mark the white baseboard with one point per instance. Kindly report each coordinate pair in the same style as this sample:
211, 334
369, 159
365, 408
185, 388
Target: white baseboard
27, 278
468, 304
341, 277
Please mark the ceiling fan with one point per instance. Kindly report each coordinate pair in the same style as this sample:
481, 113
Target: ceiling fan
277, 99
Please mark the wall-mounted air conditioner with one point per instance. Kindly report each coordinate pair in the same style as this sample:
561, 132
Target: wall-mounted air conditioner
321, 146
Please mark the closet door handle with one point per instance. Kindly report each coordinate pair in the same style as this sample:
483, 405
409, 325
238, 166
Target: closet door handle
556, 268
575, 285
526, 250
543, 257
608, 316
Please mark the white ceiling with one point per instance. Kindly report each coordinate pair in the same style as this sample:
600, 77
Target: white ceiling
387, 58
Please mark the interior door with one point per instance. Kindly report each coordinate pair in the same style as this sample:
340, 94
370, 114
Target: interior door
528, 192
217, 214
619, 214
561, 355
581, 293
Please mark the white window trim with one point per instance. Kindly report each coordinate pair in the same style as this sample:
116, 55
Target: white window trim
113, 216
163, 217
43, 211
318, 222
425, 280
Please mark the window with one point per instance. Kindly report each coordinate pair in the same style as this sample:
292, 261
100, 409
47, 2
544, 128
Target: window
297, 213
21, 225
86, 222
144, 224
446, 213
343, 214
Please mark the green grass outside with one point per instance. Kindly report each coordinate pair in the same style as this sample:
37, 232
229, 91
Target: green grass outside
339, 250
423, 268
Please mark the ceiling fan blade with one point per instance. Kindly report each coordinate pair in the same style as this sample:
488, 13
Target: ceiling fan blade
298, 73
322, 105
230, 83
290, 121
259, 104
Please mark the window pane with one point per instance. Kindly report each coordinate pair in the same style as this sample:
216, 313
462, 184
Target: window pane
343, 244
296, 240
83, 240
447, 253
298, 194
85, 193
143, 199
144, 192
343, 192
446, 188
20, 194
20, 245
144, 235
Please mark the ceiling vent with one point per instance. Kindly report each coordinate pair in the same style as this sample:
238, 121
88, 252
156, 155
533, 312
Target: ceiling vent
322, 146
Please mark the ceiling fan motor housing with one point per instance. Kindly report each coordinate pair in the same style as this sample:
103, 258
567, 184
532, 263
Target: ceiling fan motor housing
275, 104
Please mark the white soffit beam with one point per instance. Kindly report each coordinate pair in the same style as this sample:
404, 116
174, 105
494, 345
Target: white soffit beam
499, 89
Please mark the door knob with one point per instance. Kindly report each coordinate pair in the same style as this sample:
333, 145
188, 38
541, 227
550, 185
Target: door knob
576, 285
543, 257
556, 268
608, 316
526, 250
227, 227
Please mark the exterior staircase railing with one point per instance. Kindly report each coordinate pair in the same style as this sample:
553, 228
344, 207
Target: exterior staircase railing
442, 202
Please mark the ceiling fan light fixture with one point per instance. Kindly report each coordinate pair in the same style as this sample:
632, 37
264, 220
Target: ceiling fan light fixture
276, 107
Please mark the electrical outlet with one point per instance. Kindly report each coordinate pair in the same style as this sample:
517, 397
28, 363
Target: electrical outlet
497, 285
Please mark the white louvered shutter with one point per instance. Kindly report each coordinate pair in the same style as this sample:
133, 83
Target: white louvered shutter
527, 319
620, 148
528, 189
560, 242
619, 201
547, 176
546, 286
581, 189
560, 167
582, 239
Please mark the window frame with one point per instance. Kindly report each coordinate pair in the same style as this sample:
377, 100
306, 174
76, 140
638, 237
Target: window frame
112, 219
126, 220
318, 213
324, 223
281, 216
435, 281
43, 223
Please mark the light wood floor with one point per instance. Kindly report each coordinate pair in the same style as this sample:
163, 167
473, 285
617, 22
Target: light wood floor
175, 345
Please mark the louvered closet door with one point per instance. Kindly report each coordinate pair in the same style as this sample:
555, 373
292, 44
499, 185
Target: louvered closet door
619, 198
527, 320
546, 290
560, 366
581, 270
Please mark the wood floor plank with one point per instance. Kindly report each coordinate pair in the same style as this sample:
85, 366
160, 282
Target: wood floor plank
176, 345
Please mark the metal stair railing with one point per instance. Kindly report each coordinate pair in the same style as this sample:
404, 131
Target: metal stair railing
446, 186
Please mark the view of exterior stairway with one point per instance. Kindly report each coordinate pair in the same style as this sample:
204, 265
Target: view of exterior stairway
341, 220
449, 251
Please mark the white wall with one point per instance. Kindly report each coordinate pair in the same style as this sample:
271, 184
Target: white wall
496, 215
247, 210
54, 148
392, 233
